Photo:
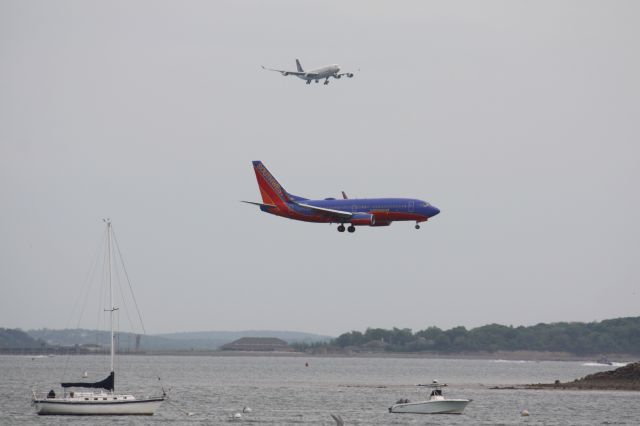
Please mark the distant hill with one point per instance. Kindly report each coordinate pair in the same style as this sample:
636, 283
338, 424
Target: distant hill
125, 341
17, 339
258, 344
224, 337
204, 340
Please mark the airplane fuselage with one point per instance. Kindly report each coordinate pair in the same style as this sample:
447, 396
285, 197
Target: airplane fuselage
320, 73
383, 210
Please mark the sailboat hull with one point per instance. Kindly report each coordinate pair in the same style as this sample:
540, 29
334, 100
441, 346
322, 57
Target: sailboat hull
66, 407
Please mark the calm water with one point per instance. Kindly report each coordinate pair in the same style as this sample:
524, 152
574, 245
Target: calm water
281, 390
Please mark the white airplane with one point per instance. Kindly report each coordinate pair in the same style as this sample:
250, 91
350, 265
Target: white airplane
317, 74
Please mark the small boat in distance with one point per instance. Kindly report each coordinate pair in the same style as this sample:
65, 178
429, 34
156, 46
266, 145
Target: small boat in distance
105, 401
436, 404
604, 360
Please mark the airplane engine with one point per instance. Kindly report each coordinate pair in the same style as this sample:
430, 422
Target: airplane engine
338, 76
363, 219
284, 73
381, 223
350, 75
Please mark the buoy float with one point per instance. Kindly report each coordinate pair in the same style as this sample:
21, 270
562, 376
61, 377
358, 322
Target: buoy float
524, 413
247, 410
237, 416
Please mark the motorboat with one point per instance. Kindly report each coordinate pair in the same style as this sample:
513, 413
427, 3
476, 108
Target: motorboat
604, 360
103, 400
436, 404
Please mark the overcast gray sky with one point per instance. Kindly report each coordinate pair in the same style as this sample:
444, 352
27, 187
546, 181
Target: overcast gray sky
519, 120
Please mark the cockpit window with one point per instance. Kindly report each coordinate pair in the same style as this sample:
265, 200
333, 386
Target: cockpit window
425, 204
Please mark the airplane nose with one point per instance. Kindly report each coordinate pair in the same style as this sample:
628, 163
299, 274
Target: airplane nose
435, 211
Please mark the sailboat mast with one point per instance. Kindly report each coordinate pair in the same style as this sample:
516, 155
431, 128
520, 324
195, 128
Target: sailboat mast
112, 308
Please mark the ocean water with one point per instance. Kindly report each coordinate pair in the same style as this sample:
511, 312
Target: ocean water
283, 391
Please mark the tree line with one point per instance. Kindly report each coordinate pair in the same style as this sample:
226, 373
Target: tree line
621, 335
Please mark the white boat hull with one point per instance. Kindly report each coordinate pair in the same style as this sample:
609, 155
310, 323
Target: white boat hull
447, 406
140, 407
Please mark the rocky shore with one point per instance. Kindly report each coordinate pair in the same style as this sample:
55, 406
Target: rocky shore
623, 378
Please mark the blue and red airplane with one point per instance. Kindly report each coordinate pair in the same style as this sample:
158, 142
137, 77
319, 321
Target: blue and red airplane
355, 212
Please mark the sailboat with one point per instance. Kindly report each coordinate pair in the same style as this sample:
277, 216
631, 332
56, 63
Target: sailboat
103, 400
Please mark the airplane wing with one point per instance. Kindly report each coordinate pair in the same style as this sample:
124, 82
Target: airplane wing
283, 72
329, 212
339, 214
259, 204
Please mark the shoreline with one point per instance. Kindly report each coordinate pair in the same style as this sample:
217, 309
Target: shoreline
524, 356
626, 378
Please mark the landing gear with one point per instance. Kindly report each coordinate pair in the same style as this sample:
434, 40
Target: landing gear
417, 226
308, 81
351, 228
326, 82
317, 81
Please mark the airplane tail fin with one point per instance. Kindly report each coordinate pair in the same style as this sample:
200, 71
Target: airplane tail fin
272, 192
299, 66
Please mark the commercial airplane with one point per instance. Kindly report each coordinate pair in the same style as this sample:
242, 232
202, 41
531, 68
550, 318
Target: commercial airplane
318, 74
355, 212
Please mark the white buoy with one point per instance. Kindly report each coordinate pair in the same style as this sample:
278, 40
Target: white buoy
85, 375
237, 416
524, 413
247, 410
